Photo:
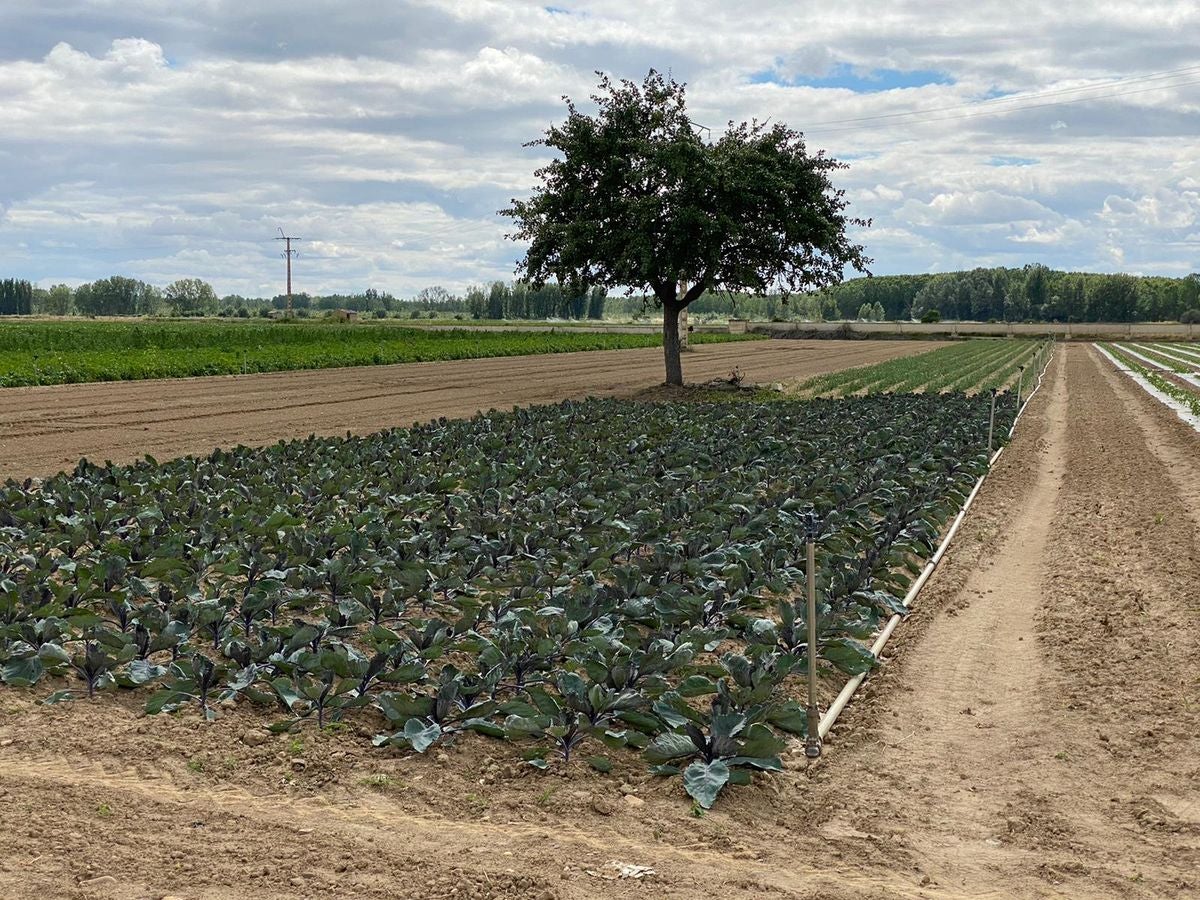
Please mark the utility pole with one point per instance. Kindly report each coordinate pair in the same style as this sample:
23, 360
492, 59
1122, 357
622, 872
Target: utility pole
287, 254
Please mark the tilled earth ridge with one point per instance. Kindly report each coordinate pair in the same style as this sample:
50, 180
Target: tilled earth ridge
44, 430
1032, 734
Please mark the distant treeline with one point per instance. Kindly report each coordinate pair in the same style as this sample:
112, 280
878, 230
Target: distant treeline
1032, 294
121, 296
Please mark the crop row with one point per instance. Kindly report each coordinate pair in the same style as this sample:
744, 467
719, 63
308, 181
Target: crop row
65, 353
577, 578
1189, 398
1172, 357
972, 366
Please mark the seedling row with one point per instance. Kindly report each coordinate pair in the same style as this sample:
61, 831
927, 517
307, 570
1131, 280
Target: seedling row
1165, 366
975, 366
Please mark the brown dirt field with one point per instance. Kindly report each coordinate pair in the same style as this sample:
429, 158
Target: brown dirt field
44, 430
1035, 732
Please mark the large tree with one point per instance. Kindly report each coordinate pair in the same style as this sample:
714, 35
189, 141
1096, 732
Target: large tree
191, 296
117, 296
635, 198
16, 297
57, 301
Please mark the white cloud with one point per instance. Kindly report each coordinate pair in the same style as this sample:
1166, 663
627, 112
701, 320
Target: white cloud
976, 208
161, 139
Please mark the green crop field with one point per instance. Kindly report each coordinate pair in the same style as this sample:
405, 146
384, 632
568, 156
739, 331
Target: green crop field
971, 366
70, 352
1154, 363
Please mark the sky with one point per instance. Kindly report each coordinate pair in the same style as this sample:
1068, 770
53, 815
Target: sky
165, 139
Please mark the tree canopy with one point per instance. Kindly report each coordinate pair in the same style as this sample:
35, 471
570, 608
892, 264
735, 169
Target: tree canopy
117, 296
1033, 293
190, 295
636, 199
16, 297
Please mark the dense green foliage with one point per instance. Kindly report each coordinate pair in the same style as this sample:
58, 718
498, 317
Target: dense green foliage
16, 297
634, 198
1033, 293
118, 296
190, 296
576, 579
970, 366
67, 352
520, 300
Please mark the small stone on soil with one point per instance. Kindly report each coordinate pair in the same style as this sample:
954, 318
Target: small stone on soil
252, 738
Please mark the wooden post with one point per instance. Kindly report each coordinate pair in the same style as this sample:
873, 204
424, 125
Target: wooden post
812, 742
991, 423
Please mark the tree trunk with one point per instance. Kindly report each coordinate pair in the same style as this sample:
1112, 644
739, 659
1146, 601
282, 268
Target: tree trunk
671, 343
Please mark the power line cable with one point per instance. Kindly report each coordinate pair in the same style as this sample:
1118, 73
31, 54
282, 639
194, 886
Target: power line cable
1013, 109
1037, 95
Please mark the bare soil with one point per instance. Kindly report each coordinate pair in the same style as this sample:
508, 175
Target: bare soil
1035, 732
44, 430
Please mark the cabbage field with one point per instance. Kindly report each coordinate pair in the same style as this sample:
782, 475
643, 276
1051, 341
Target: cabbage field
576, 581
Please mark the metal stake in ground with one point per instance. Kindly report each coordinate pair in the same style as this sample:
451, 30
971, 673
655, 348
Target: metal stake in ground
991, 422
812, 741
1020, 382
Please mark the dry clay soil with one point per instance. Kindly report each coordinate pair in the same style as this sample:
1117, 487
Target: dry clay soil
46, 429
1035, 732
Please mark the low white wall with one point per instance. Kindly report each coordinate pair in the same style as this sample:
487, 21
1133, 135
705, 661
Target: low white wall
1068, 331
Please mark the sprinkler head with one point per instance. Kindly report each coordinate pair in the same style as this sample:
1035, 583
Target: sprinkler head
812, 527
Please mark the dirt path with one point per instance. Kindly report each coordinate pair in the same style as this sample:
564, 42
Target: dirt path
46, 429
1170, 439
969, 730
1036, 734
1043, 739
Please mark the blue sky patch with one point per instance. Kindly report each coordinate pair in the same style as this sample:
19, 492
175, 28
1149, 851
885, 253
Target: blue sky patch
859, 80
1012, 161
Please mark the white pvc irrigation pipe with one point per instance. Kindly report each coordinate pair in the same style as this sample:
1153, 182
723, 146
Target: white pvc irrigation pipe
1181, 409
839, 704
1190, 377
1179, 351
1172, 354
